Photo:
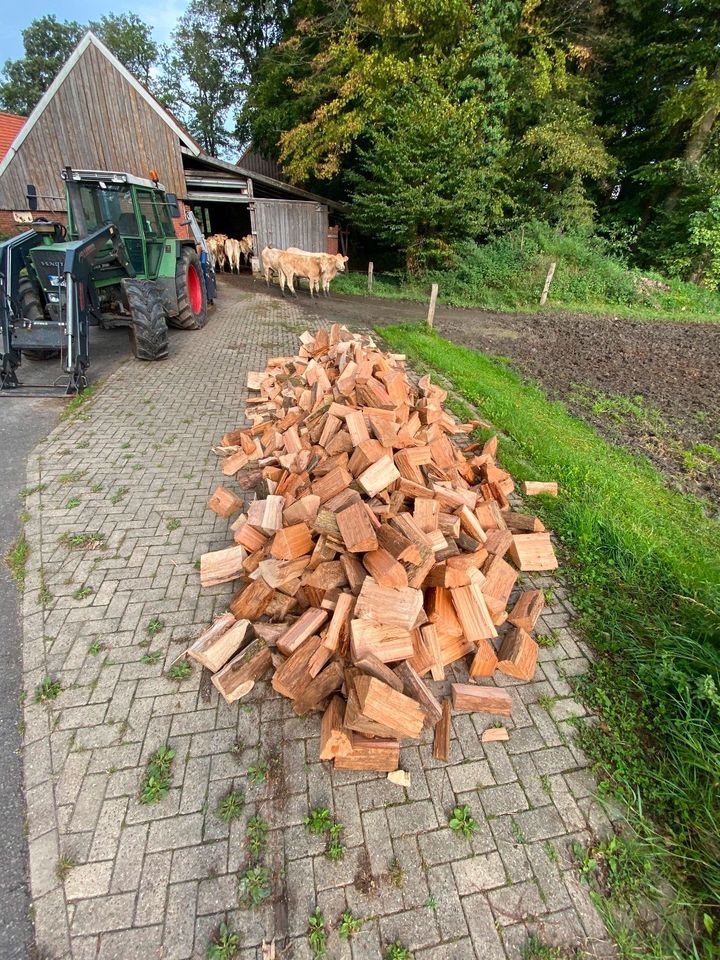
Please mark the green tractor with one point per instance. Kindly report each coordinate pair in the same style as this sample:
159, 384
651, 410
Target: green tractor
118, 263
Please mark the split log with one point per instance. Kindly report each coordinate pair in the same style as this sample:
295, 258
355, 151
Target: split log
441, 741
334, 738
224, 502
518, 654
527, 610
214, 648
238, 677
382, 756
470, 698
533, 551
419, 691
379, 702
221, 566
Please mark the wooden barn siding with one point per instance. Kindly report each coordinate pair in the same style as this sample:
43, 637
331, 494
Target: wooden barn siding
289, 223
95, 120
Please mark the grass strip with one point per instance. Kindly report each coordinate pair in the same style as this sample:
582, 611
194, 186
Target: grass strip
644, 564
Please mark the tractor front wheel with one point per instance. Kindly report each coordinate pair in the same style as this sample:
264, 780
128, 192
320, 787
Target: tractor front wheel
148, 330
32, 310
191, 295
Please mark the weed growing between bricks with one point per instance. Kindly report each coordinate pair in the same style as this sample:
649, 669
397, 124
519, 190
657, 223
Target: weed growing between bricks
158, 777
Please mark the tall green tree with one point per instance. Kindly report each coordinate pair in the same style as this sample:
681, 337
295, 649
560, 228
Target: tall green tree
47, 43
199, 80
443, 117
660, 95
130, 39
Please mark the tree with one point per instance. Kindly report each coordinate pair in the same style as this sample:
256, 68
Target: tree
130, 39
198, 80
47, 44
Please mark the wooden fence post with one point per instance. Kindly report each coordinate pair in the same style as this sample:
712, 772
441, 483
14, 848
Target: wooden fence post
548, 281
371, 267
431, 308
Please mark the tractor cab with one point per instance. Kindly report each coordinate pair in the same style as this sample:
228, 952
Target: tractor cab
139, 208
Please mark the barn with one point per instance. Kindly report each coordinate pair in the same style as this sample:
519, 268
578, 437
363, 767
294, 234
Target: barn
96, 115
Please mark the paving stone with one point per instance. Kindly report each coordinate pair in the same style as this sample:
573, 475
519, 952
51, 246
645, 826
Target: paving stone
181, 831
448, 910
179, 932
469, 776
411, 818
476, 874
481, 924
88, 880
100, 914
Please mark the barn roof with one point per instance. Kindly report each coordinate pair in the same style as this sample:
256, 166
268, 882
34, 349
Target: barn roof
91, 40
10, 125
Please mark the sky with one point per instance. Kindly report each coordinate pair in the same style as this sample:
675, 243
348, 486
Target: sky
160, 14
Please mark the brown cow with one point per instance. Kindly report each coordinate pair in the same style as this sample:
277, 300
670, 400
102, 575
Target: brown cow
330, 265
233, 248
246, 246
299, 265
216, 243
270, 261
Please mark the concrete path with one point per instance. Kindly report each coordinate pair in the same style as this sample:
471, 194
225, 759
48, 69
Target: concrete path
113, 596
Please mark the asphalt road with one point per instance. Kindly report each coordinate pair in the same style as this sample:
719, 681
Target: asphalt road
23, 423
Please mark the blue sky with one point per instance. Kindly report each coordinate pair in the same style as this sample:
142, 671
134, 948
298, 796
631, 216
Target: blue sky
160, 14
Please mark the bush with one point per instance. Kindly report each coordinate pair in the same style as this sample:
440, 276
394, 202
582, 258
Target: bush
508, 272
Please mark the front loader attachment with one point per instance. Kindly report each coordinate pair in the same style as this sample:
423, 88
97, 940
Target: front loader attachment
46, 299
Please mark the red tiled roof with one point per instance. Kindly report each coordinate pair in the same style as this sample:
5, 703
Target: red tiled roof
10, 126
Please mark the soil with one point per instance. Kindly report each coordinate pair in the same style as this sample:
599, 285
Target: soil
669, 372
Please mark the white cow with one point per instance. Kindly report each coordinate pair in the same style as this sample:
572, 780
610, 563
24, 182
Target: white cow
233, 249
330, 265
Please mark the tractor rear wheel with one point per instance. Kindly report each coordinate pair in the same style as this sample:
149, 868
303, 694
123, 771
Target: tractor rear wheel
32, 310
148, 330
191, 296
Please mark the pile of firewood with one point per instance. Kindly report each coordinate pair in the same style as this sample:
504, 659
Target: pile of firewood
373, 555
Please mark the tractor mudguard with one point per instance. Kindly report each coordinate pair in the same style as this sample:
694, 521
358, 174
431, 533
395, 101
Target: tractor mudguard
168, 295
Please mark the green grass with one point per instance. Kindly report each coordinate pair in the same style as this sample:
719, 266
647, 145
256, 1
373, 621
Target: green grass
349, 925
256, 834
254, 886
48, 690
643, 562
180, 671
231, 806
155, 626
82, 593
74, 407
83, 541
225, 946
16, 558
508, 273
158, 776
462, 821
317, 934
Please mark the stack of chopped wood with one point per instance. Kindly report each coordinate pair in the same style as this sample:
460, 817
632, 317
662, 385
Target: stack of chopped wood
373, 556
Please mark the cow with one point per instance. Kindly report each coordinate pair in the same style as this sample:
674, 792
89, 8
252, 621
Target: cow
233, 248
270, 257
216, 242
246, 246
298, 265
330, 265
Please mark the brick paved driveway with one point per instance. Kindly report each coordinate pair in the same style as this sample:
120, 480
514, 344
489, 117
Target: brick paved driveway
112, 878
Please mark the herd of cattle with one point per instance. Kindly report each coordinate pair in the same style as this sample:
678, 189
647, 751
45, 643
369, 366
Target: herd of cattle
226, 249
318, 268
